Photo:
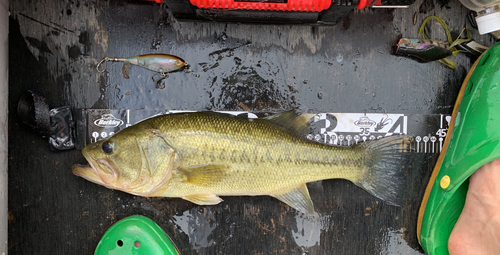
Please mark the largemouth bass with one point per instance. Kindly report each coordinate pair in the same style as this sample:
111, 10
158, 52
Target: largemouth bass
200, 156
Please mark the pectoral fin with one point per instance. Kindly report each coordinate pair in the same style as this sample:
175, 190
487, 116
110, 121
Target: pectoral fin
203, 199
204, 175
298, 198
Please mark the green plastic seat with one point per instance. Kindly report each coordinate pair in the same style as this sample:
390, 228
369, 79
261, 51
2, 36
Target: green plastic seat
135, 235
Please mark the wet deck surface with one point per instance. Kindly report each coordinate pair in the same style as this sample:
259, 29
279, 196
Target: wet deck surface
55, 46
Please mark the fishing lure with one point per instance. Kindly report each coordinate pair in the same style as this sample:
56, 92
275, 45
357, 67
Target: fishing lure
161, 63
424, 49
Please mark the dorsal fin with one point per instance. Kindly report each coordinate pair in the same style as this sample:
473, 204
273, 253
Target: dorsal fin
293, 120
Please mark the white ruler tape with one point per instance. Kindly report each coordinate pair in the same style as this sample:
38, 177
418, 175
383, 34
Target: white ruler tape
426, 132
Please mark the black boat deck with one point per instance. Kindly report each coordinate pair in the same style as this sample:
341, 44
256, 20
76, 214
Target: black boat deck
347, 68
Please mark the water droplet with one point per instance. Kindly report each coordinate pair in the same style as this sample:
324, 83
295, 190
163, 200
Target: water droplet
320, 95
339, 58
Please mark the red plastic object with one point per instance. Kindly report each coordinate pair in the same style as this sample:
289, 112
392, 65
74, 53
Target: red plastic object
376, 3
361, 4
290, 5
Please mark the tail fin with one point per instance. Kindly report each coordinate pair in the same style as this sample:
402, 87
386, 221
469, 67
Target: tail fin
386, 162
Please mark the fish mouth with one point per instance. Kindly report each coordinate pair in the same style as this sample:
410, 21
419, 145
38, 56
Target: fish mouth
89, 171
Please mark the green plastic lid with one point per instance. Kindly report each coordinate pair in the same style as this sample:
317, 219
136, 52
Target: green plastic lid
135, 235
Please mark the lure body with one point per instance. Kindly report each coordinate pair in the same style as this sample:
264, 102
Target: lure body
162, 63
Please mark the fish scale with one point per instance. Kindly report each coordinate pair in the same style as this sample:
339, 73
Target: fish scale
255, 143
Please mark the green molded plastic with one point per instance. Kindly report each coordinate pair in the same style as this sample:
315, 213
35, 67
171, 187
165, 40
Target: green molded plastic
135, 235
474, 141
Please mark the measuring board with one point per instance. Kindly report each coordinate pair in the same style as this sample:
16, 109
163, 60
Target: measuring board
426, 133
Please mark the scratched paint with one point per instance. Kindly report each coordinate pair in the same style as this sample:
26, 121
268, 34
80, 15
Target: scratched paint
198, 225
309, 229
393, 243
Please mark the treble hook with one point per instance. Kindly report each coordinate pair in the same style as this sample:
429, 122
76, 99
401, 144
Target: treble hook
99, 64
163, 76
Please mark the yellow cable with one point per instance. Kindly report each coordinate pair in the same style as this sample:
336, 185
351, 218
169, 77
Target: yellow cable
447, 62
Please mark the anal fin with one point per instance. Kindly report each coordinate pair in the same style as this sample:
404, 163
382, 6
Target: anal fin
298, 199
203, 199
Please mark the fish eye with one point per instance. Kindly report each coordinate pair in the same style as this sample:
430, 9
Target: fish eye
107, 147
178, 62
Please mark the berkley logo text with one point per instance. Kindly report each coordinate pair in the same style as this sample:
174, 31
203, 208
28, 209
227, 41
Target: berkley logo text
364, 122
108, 120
